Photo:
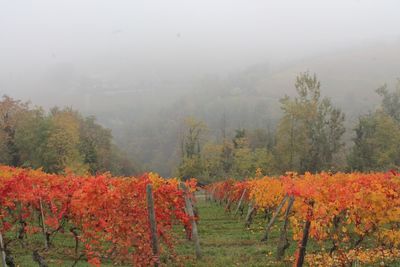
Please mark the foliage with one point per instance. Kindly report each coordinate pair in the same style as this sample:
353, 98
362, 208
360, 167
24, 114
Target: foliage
62, 139
11, 111
344, 210
376, 144
377, 141
239, 157
310, 131
390, 103
109, 213
191, 165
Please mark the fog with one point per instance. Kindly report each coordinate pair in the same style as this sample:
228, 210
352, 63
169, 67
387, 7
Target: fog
180, 39
126, 61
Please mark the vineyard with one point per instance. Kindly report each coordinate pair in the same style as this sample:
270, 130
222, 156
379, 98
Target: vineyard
351, 218
105, 218
313, 219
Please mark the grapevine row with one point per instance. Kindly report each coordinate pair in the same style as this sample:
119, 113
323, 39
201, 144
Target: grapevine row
106, 216
339, 212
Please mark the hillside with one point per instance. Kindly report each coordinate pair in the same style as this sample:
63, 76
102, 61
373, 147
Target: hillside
146, 115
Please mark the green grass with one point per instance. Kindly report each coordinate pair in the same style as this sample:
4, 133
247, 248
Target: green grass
226, 242
61, 252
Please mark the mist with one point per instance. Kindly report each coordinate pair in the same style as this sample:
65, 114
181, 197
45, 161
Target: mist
140, 64
177, 40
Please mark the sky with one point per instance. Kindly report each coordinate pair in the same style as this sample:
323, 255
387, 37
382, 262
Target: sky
178, 39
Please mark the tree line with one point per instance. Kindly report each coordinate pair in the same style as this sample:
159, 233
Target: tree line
58, 141
308, 137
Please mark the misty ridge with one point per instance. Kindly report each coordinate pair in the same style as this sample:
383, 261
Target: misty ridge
143, 69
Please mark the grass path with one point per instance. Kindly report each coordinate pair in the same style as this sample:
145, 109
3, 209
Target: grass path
226, 242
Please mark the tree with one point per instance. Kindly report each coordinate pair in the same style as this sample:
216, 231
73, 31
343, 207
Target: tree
212, 161
376, 144
390, 103
264, 161
243, 164
227, 151
191, 164
31, 138
58, 140
261, 138
240, 139
377, 135
95, 145
11, 112
310, 131
4, 156
62, 148
236, 158
121, 164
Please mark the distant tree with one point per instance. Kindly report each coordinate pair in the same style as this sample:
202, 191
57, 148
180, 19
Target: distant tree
62, 148
95, 145
56, 141
192, 137
243, 164
376, 144
11, 112
310, 131
264, 161
227, 158
240, 138
261, 138
377, 135
121, 164
212, 161
31, 138
390, 103
246, 159
235, 158
191, 162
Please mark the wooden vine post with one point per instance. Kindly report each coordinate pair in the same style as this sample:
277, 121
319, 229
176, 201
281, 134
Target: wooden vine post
271, 222
249, 217
221, 201
240, 201
283, 240
153, 223
229, 204
189, 209
3, 251
303, 243
44, 231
